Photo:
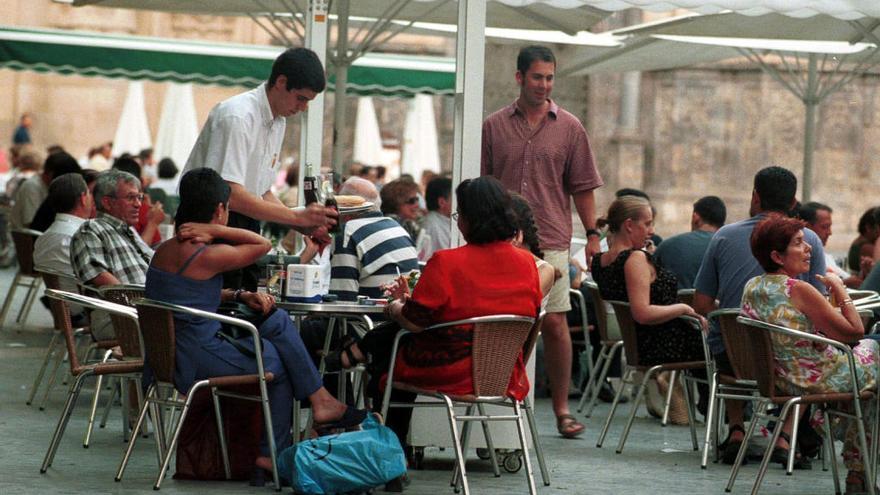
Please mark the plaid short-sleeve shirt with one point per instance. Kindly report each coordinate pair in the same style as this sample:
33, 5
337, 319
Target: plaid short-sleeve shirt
107, 244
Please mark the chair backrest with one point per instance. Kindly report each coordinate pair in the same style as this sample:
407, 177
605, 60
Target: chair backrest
52, 280
532, 339
627, 331
127, 331
67, 298
498, 340
24, 249
736, 343
157, 331
760, 349
600, 308
686, 296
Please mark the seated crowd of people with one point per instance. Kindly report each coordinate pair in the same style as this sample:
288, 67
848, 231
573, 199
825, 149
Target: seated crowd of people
102, 229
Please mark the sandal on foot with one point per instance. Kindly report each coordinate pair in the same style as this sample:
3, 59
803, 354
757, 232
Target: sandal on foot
350, 418
780, 455
333, 359
730, 448
568, 426
855, 484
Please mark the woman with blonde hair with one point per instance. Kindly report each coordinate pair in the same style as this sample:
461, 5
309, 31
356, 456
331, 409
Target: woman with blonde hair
626, 272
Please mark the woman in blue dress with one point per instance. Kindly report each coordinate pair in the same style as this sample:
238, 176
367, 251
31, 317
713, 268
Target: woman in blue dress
187, 270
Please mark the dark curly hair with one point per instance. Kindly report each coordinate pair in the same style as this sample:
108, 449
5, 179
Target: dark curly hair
487, 209
525, 223
773, 234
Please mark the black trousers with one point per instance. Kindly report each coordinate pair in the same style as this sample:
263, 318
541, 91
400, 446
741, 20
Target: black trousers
248, 277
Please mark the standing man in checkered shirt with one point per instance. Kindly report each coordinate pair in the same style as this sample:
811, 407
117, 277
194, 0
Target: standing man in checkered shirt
107, 250
539, 150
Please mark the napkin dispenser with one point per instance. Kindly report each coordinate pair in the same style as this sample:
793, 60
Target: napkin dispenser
304, 283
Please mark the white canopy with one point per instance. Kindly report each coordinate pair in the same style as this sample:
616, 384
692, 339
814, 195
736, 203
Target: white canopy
842, 9
178, 125
420, 150
132, 131
367, 138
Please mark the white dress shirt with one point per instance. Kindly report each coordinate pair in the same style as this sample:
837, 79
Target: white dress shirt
241, 141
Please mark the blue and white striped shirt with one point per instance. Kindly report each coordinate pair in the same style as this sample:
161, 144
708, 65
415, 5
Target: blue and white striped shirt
368, 254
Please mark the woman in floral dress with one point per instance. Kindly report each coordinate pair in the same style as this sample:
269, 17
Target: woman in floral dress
801, 366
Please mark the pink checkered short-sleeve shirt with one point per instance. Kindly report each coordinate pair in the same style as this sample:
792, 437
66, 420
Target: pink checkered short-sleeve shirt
545, 165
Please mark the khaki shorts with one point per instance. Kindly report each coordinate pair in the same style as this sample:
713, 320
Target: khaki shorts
559, 301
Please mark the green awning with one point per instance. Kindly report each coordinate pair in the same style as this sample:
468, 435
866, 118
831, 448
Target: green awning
223, 64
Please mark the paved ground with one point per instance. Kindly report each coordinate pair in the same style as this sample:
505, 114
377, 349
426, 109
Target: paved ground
655, 460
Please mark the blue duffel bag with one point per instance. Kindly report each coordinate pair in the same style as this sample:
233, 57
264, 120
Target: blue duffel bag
347, 462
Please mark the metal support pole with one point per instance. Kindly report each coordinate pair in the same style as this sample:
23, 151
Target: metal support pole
469, 69
811, 102
311, 136
342, 63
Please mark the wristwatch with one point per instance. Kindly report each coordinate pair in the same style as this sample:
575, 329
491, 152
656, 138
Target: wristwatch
593, 232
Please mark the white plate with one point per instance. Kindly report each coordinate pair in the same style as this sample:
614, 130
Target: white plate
354, 209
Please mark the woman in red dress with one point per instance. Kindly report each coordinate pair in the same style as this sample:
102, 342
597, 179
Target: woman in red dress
486, 276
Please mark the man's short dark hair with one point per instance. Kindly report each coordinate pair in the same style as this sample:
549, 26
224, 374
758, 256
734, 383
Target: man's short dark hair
145, 153
808, 211
58, 164
128, 164
65, 191
303, 69
167, 169
441, 187
531, 54
776, 188
712, 210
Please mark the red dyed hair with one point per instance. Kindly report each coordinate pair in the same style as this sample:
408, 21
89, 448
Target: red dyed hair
773, 234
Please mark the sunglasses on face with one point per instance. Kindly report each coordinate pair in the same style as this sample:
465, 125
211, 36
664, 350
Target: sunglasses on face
412, 201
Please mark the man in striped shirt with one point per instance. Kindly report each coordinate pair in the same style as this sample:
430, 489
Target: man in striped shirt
370, 249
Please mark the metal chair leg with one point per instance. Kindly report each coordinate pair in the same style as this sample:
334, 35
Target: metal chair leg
768, 452
9, 297
490, 445
115, 389
632, 413
616, 401
521, 429
459, 455
792, 446
601, 378
177, 429
64, 419
465, 439
672, 376
94, 408
221, 434
832, 456
591, 378
28, 302
710, 421
691, 410
140, 420
539, 451
53, 376
39, 378
740, 455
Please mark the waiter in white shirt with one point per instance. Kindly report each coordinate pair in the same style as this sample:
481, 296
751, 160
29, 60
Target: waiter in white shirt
242, 140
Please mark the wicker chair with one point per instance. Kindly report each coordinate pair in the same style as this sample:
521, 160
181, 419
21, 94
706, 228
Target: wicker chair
740, 386
609, 337
128, 369
128, 337
157, 331
761, 362
498, 340
633, 364
56, 347
686, 296
25, 276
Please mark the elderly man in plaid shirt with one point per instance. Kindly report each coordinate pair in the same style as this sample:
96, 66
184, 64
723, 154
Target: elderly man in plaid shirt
106, 250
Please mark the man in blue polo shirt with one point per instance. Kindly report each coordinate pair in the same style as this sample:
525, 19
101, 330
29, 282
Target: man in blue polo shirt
728, 264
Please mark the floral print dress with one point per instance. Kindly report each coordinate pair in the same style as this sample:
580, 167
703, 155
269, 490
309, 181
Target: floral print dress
806, 366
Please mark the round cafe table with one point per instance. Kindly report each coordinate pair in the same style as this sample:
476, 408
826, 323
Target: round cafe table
340, 318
